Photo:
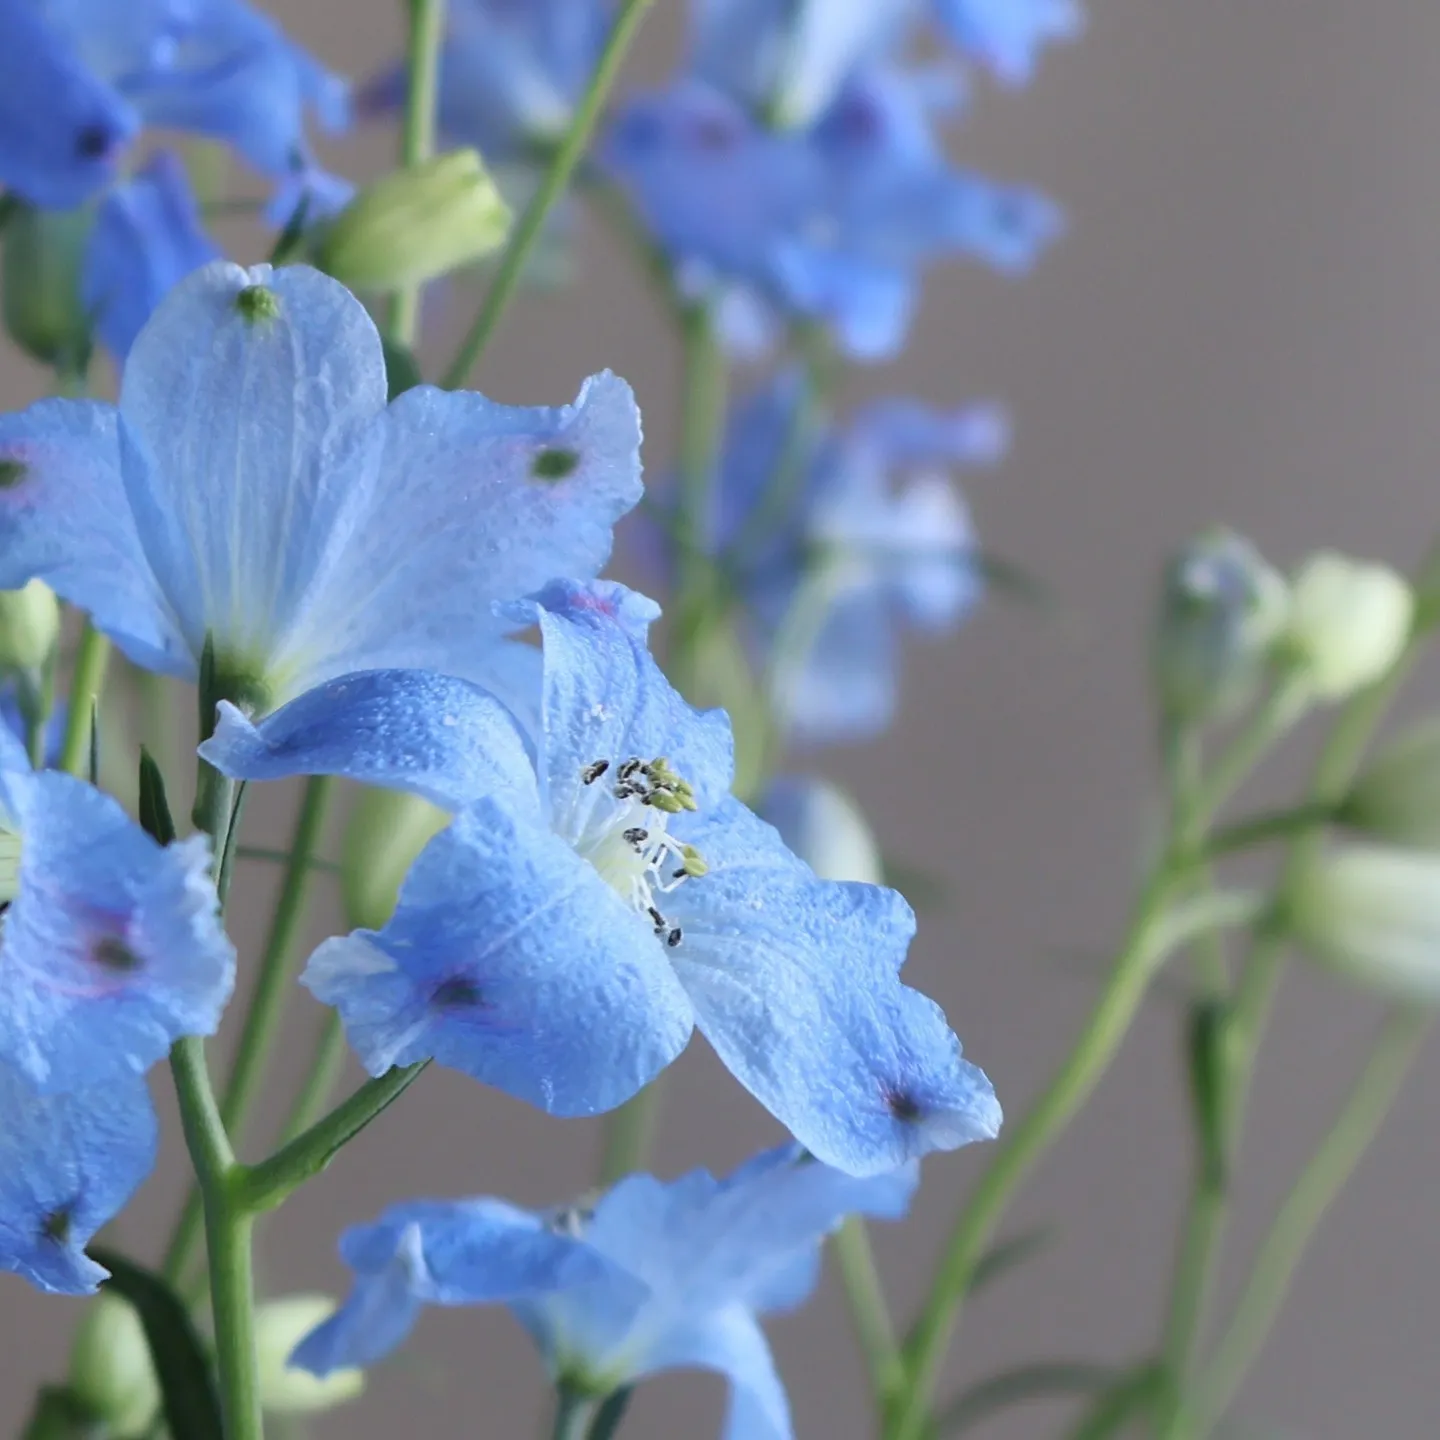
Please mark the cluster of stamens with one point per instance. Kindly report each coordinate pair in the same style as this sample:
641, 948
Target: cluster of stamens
665, 863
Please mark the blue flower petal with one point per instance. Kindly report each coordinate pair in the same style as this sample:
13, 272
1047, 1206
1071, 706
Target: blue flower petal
62, 129
795, 983
147, 237
1007, 35
435, 736
65, 519
246, 429
68, 1164
511, 959
113, 947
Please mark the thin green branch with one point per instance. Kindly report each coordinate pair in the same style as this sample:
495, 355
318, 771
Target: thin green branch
86, 682
874, 1329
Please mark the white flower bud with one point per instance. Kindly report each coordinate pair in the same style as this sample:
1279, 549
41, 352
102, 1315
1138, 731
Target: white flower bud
29, 627
1372, 914
1349, 622
280, 1325
1397, 798
110, 1370
825, 828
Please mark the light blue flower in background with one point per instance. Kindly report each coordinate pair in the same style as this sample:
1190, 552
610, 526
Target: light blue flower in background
1008, 35
68, 1164
253, 486
62, 128
690, 1266
148, 236
562, 937
111, 946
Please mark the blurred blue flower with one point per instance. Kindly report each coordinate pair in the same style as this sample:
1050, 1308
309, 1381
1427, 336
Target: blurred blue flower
253, 487
831, 223
1008, 35
62, 129
511, 72
566, 932
872, 533
68, 1164
148, 236
691, 1265
111, 946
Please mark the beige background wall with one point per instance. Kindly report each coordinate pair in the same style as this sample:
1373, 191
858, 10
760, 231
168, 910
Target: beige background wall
1244, 324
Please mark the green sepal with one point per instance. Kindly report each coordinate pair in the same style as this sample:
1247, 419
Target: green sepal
1044, 1380
192, 1411
402, 369
58, 1415
606, 1424
155, 818
291, 240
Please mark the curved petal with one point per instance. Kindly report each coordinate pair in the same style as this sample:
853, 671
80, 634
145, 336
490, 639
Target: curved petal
65, 519
510, 959
435, 736
605, 698
62, 130
68, 1164
246, 405
795, 982
473, 503
113, 947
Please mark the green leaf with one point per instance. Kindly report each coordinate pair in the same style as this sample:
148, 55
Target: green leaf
924, 889
402, 370
1125, 1400
1208, 1032
1014, 582
58, 1415
155, 818
287, 247
182, 1367
606, 1424
1001, 1259
1041, 1381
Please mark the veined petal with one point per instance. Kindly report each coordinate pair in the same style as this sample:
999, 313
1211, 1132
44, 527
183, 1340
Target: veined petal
795, 982
246, 404
113, 947
473, 503
433, 735
509, 958
65, 519
68, 1164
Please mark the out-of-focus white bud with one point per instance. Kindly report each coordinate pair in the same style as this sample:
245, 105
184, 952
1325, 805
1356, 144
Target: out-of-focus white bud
110, 1370
1349, 622
1372, 913
29, 627
825, 828
1397, 798
280, 1325
40, 280
387, 831
414, 225
1221, 608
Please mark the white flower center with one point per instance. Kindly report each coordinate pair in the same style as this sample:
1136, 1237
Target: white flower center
627, 838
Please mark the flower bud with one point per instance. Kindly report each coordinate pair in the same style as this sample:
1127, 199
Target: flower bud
40, 277
825, 828
387, 831
1349, 622
29, 628
1397, 798
416, 224
1221, 607
280, 1325
1372, 913
111, 1374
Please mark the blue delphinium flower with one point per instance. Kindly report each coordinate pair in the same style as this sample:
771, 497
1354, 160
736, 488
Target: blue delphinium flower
606, 894
111, 946
874, 534
1007, 35
832, 223
692, 1264
62, 129
148, 236
68, 1164
253, 489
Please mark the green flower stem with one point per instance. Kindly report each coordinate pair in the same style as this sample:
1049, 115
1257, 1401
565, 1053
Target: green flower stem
557, 178
629, 1134
1249, 1014
264, 1186
228, 1229
874, 1329
1327, 1173
573, 1414
86, 682
1149, 938
417, 130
